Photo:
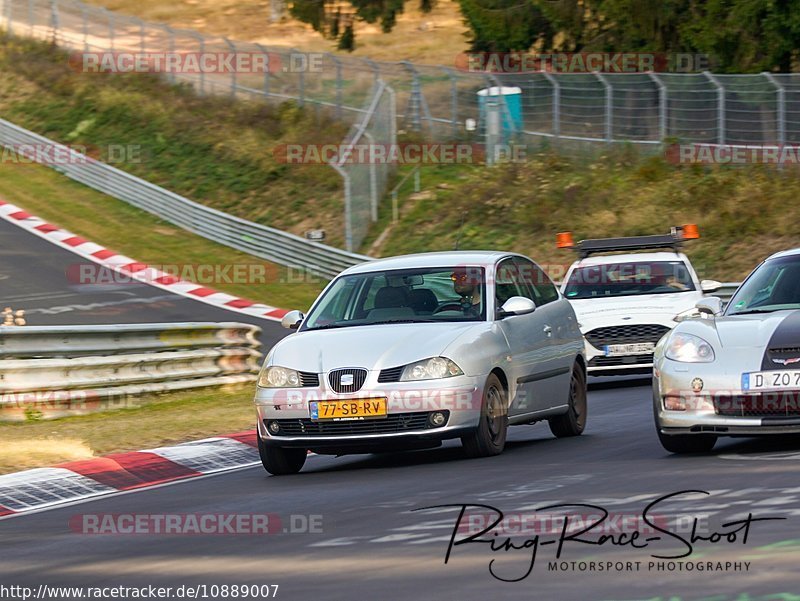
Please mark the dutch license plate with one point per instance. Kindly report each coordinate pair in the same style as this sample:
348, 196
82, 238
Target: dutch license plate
771, 380
349, 409
638, 348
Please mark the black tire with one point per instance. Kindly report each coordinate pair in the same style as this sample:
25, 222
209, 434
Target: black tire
573, 422
685, 444
489, 438
279, 461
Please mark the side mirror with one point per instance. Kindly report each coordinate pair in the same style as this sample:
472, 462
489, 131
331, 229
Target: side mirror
709, 306
516, 305
710, 285
292, 320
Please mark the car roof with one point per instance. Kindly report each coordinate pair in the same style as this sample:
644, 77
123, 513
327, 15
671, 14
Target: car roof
785, 253
432, 259
630, 258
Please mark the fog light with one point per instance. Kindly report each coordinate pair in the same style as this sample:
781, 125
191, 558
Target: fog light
697, 385
437, 418
273, 427
674, 403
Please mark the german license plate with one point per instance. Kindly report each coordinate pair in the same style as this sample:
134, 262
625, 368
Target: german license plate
621, 350
771, 380
348, 409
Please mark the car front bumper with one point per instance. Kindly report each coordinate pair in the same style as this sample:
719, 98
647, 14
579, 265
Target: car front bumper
406, 425
720, 393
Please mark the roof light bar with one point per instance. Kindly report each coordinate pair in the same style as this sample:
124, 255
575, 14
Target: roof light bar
673, 240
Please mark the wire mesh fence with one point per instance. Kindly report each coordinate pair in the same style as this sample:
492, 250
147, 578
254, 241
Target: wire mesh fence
437, 101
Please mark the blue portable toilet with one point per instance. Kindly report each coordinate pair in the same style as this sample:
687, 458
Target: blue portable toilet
512, 117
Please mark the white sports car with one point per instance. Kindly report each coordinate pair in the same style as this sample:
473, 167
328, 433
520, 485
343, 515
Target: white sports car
737, 372
406, 352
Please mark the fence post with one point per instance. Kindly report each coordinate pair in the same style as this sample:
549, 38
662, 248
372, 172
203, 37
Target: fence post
232, 47
266, 71
301, 77
85, 28
9, 20
453, 100
414, 98
348, 226
373, 182
662, 105
556, 103
202, 43
609, 106
338, 64
171, 49
720, 107
110, 17
142, 43
781, 117
54, 20
376, 70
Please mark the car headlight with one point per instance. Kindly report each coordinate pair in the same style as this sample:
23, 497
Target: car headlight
688, 348
430, 369
278, 377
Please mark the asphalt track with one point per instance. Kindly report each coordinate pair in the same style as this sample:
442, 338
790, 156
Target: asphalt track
33, 277
372, 545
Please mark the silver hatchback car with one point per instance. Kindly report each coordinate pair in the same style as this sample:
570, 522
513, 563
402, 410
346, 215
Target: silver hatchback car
406, 352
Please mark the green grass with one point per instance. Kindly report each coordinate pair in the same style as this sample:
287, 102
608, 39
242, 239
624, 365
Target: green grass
141, 236
744, 213
151, 422
215, 150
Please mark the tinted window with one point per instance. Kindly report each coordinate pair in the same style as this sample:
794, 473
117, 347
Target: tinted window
628, 279
534, 278
407, 295
773, 286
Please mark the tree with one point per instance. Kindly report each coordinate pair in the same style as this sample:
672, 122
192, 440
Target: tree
329, 18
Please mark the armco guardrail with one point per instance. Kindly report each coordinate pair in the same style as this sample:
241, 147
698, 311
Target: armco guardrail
74, 341
52, 371
253, 238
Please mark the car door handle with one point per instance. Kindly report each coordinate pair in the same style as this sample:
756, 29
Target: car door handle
548, 331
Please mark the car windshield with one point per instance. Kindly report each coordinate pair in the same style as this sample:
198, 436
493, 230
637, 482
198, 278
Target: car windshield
438, 294
628, 279
775, 285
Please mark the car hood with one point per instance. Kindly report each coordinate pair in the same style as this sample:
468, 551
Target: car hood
751, 331
368, 346
667, 305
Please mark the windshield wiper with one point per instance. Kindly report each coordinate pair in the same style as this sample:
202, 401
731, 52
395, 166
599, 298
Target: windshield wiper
329, 326
384, 321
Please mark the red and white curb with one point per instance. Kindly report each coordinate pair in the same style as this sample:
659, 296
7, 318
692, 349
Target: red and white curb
133, 269
43, 488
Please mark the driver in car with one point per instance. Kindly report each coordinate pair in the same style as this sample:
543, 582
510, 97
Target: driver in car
467, 284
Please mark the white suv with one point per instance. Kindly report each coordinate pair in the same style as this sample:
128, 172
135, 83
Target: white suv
626, 302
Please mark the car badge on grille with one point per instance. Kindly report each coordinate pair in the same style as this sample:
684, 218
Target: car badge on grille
347, 380
791, 361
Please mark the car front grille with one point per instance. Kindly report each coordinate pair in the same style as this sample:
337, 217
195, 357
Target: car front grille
621, 361
391, 424
778, 404
600, 337
359, 376
791, 353
391, 374
308, 379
